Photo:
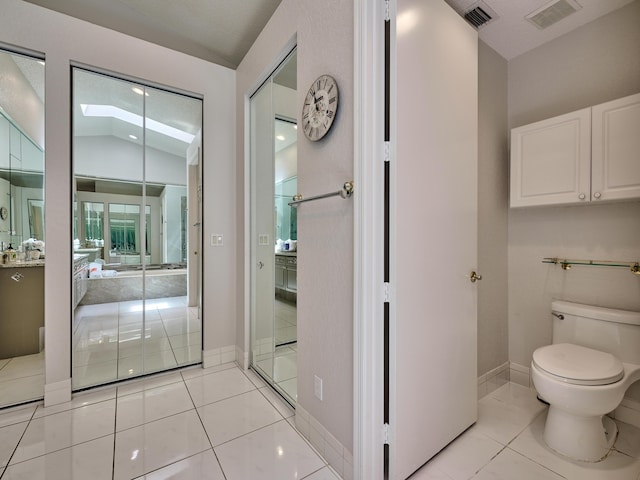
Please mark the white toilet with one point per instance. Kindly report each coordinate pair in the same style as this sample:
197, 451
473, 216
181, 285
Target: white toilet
583, 375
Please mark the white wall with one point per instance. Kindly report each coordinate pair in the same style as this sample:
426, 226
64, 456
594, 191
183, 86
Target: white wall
325, 229
111, 157
493, 191
64, 40
595, 63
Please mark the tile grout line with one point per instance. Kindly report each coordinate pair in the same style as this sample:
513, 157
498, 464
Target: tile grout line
6, 467
203, 428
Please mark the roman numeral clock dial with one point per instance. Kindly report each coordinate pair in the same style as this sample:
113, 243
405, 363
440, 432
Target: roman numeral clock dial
320, 107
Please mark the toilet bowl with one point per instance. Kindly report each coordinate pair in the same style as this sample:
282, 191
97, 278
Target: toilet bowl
584, 375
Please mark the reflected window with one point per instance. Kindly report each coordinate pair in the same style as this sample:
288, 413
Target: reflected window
93, 216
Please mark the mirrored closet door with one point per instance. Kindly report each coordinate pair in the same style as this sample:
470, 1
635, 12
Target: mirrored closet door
22, 217
274, 293
136, 168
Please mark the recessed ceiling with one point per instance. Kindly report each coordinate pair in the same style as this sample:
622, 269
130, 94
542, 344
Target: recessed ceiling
220, 31
511, 34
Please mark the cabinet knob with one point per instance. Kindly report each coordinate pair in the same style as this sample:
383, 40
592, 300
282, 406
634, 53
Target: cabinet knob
582, 196
597, 195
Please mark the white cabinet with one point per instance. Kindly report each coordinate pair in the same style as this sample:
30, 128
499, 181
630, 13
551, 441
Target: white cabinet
615, 154
4, 143
583, 156
32, 156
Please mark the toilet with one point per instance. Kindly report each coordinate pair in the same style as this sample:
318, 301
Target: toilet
584, 374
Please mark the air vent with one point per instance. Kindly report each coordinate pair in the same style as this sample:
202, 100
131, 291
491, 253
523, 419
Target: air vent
479, 14
553, 12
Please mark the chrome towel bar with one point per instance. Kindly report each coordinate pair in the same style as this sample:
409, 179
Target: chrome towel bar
346, 192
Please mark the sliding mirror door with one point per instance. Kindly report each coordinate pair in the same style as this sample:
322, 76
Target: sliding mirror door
22, 242
274, 230
131, 154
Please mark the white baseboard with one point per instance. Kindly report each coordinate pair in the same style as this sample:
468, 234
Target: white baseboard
242, 358
57, 393
335, 454
218, 356
493, 379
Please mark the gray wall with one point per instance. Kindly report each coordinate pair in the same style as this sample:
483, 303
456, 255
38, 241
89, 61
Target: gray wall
325, 229
596, 63
493, 190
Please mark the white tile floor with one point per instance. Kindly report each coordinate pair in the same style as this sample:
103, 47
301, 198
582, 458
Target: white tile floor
226, 424
215, 424
506, 444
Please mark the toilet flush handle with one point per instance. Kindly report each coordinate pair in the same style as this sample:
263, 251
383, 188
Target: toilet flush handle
559, 315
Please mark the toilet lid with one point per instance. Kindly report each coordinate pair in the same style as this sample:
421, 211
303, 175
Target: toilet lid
578, 365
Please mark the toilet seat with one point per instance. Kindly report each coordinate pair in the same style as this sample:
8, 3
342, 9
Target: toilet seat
578, 365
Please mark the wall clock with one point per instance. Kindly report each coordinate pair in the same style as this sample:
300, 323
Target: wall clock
4, 213
320, 107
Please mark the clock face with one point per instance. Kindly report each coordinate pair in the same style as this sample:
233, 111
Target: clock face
320, 107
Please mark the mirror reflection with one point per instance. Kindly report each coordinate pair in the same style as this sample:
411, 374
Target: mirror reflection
22, 228
136, 173
274, 320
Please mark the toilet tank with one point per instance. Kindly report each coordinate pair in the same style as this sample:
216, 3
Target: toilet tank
606, 329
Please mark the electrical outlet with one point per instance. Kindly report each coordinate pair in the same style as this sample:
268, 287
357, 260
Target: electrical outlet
317, 387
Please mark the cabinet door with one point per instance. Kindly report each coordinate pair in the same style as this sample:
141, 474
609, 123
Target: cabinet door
550, 161
4, 143
292, 279
280, 276
32, 157
15, 146
615, 149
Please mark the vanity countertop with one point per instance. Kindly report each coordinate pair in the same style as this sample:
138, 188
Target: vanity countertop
23, 264
287, 254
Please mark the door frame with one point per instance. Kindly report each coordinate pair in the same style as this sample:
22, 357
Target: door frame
368, 294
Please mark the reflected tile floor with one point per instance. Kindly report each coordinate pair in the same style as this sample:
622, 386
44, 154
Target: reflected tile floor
282, 367
108, 339
216, 424
506, 444
21, 379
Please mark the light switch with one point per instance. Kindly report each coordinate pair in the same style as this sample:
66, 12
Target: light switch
263, 239
216, 240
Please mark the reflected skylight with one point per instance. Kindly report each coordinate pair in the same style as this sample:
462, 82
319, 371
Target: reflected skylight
111, 111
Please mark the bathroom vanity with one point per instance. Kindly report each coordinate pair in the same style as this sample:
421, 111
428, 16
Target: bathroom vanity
21, 308
286, 272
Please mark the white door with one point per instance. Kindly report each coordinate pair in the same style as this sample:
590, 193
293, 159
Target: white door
433, 331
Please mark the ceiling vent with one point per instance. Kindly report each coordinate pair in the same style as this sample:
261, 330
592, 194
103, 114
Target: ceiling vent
479, 14
553, 12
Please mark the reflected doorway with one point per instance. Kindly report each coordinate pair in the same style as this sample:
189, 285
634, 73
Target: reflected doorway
136, 179
273, 131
